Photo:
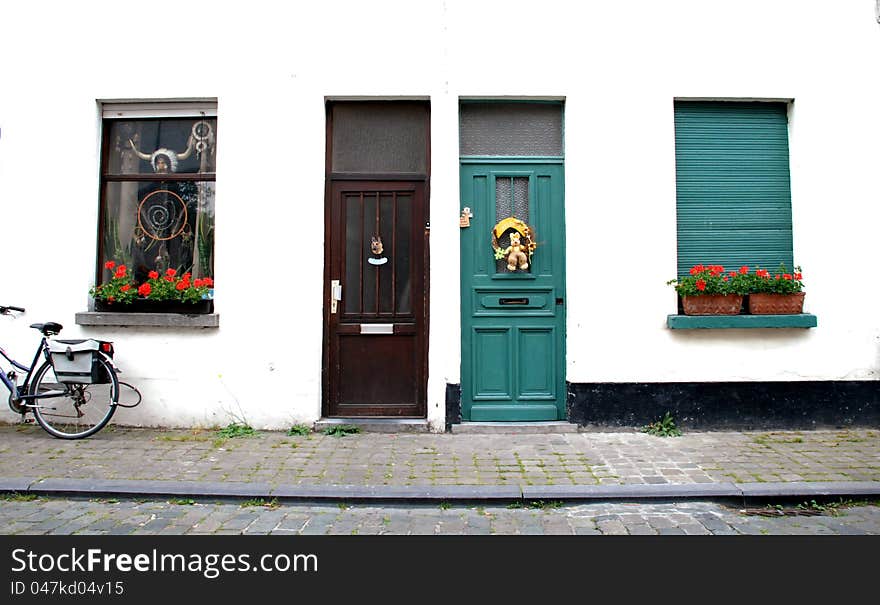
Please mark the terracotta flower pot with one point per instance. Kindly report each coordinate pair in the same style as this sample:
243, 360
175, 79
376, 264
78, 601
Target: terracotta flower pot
776, 304
712, 304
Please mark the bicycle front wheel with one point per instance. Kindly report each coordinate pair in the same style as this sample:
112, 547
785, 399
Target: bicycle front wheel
73, 411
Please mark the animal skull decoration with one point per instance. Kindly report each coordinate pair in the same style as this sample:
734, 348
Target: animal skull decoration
167, 160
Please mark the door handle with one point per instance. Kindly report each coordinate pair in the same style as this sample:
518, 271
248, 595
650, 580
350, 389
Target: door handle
335, 295
513, 301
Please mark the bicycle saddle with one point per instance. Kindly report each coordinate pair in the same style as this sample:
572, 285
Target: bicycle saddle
49, 328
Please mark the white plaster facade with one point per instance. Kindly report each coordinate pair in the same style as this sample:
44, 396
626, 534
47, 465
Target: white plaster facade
618, 66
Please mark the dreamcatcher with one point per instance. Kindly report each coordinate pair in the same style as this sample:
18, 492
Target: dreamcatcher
162, 214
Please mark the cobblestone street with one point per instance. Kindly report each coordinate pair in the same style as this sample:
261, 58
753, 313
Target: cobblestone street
28, 516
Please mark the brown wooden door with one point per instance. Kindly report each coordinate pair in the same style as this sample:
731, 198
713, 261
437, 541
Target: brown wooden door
375, 334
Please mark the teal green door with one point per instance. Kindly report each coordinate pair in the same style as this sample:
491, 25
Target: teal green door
513, 322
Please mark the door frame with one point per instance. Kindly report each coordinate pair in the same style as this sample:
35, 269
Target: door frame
511, 164
330, 178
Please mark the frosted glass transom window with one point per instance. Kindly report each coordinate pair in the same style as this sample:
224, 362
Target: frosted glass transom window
511, 129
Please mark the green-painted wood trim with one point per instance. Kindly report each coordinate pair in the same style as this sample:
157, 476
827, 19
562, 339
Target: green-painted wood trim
520, 413
503, 159
693, 322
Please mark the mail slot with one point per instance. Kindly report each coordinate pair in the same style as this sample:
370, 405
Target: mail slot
377, 328
513, 301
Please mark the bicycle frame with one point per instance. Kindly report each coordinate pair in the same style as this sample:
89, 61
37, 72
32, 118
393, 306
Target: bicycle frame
21, 392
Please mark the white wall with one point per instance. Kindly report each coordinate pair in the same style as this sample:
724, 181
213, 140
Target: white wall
618, 65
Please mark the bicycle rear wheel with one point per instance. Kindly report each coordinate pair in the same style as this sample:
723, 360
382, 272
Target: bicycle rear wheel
73, 411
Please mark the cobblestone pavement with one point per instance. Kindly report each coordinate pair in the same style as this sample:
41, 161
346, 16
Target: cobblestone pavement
185, 516
586, 458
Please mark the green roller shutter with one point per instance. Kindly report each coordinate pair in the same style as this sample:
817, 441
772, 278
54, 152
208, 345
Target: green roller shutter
732, 183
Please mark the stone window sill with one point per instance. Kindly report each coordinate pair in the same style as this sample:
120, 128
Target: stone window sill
161, 320
693, 322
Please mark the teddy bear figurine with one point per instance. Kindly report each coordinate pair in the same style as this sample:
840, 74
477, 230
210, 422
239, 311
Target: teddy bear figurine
517, 256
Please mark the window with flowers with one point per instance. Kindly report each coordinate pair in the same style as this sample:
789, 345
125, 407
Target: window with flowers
156, 226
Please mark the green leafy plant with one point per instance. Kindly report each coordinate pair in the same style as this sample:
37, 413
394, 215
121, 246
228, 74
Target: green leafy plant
235, 430
17, 497
299, 429
183, 501
120, 289
273, 503
712, 279
542, 505
170, 286
341, 430
781, 282
665, 427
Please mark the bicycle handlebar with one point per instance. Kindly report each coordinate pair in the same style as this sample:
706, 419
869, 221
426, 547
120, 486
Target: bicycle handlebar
5, 310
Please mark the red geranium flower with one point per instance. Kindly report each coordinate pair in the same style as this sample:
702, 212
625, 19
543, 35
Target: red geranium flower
171, 272
701, 284
144, 290
743, 270
109, 264
153, 274
126, 288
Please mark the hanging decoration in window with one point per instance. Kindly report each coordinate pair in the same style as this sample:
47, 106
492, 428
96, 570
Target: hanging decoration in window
522, 243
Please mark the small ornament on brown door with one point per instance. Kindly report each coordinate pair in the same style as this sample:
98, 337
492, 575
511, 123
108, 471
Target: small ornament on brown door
376, 248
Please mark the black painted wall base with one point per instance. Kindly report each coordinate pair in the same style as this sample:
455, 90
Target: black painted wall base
453, 404
728, 405
716, 405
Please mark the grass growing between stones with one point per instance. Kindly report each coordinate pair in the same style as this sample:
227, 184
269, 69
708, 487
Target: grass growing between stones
273, 503
17, 497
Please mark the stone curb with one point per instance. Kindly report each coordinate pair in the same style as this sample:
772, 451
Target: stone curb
640, 491
229, 489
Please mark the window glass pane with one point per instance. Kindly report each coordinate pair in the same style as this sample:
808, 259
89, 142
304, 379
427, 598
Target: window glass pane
402, 247
351, 293
154, 226
179, 145
372, 137
386, 235
370, 271
511, 200
511, 129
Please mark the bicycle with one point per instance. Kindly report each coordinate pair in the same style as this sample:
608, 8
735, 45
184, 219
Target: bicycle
74, 392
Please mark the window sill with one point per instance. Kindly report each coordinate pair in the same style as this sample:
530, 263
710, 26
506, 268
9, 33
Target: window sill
161, 320
694, 322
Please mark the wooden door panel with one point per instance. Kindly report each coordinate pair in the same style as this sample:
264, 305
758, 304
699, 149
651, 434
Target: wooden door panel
369, 381
536, 363
492, 377
513, 323
376, 341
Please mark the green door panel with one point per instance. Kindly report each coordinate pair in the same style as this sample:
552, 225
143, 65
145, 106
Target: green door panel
513, 323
